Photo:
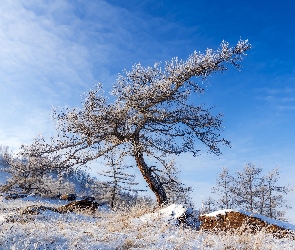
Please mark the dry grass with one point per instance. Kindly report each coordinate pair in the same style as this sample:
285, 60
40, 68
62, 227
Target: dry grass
122, 229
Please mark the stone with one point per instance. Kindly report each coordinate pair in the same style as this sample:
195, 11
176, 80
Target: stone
88, 203
15, 196
68, 197
37, 209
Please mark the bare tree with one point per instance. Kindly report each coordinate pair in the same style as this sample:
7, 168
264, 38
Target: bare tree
272, 196
224, 189
150, 115
208, 205
248, 183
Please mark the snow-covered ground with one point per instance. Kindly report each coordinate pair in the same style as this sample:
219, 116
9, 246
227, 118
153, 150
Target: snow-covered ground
139, 227
136, 228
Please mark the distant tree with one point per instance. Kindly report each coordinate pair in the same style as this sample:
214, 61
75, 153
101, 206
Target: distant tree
208, 205
82, 179
119, 181
250, 191
26, 173
224, 189
4, 153
248, 187
53, 187
150, 116
272, 202
30, 173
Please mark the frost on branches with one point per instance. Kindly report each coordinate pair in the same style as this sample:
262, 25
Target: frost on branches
149, 117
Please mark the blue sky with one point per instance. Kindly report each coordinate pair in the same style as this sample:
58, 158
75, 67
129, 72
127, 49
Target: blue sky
53, 51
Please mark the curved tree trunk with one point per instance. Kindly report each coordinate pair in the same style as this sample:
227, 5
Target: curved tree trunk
151, 180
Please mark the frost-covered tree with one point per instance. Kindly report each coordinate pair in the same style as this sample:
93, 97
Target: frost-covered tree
26, 174
224, 190
150, 115
4, 154
81, 178
53, 187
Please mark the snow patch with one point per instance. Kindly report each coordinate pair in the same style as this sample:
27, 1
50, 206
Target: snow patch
220, 212
2, 218
170, 213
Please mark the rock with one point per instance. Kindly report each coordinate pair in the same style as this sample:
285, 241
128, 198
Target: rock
229, 219
15, 196
86, 204
29, 213
37, 209
68, 197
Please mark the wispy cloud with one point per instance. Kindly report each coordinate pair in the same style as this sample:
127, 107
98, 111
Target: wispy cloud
38, 51
37, 68
281, 99
276, 91
53, 51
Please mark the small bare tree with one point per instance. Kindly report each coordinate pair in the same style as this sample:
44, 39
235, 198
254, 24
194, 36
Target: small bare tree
119, 182
248, 185
251, 191
208, 205
272, 202
150, 116
225, 190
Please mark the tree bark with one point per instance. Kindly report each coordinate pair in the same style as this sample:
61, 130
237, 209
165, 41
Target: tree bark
151, 180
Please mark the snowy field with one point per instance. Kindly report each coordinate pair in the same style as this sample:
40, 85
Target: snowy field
133, 228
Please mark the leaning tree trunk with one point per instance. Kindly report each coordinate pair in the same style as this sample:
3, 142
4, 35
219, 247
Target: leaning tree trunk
151, 180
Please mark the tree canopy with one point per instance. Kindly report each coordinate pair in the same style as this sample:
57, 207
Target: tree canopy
149, 116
